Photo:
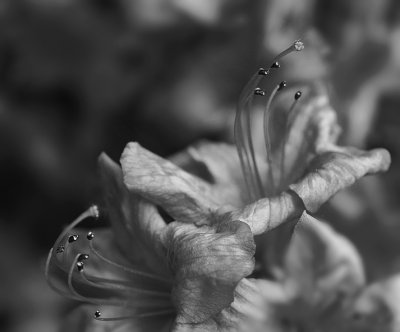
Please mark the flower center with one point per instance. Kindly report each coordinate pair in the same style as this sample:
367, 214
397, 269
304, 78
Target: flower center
120, 293
243, 129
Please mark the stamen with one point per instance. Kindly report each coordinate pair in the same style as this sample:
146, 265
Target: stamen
289, 121
125, 285
125, 268
60, 248
243, 141
267, 114
97, 315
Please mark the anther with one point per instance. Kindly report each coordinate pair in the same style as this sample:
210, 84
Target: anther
95, 211
90, 236
259, 92
60, 249
297, 95
262, 72
298, 45
282, 85
80, 266
276, 65
83, 257
97, 314
73, 238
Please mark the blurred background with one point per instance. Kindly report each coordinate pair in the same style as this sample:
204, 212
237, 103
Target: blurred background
78, 77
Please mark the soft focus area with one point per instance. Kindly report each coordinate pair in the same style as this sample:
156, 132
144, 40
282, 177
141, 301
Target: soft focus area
78, 77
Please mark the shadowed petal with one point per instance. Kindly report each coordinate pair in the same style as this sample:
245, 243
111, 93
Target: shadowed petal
208, 263
217, 163
136, 223
322, 270
185, 197
334, 170
250, 311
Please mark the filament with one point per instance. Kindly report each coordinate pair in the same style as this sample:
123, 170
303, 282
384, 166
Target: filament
142, 315
125, 268
289, 122
242, 128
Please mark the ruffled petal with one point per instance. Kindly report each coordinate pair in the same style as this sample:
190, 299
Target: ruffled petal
322, 271
137, 224
250, 311
337, 169
268, 213
207, 263
185, 197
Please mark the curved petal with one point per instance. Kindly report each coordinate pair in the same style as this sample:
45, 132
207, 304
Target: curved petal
268, 213
337, 169
250, 311
322, 270
207, 263
136, 223
184, 196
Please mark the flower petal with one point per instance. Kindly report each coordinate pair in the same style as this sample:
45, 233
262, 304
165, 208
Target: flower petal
337, 169
298, 133
185, 197
268, 213
207, 263
322, 269
250, 311
136, 223
217, 163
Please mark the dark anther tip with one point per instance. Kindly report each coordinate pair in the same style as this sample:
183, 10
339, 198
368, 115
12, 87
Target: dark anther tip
276, 65
73, 238
259, 92
262, 71
90, 236
97, 314
282, 85
83, 257
80, 265
297, 95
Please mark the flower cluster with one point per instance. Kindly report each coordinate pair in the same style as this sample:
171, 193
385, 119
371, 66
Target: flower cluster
179, 253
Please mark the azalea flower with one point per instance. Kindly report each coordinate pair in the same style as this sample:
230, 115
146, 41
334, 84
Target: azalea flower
181, 238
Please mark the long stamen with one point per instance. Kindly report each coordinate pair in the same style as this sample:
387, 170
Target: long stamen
97, 315
93, 211
244, 142
114, 284
289, 122
267, 136
126, 268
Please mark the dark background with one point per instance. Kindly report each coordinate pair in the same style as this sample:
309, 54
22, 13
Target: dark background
78, 77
